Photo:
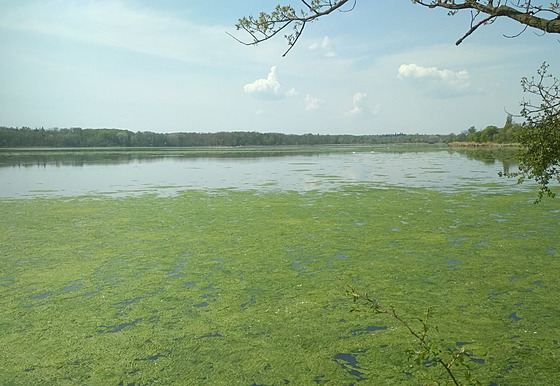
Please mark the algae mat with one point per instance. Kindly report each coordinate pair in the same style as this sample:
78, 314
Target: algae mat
230, 287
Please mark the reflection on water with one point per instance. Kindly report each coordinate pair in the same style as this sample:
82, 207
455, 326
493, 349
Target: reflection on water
506, 156
117, 174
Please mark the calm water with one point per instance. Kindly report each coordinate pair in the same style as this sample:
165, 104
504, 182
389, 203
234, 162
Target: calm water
167, 175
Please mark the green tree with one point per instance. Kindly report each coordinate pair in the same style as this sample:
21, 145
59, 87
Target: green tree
488, 134
540, 134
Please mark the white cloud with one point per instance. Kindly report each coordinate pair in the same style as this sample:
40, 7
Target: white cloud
267, 88
326, 46
292, 92
438, 82
312, 103
358, 101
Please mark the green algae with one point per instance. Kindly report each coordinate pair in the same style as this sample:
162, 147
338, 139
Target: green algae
230, 287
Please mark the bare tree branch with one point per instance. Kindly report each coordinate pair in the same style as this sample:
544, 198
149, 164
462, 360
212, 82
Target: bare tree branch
540, 15
473, 28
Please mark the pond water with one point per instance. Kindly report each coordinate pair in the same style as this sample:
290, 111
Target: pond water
122, 175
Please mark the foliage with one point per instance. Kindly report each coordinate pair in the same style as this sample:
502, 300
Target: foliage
78, 137
540, 134
268, 25
530, 13
429, 351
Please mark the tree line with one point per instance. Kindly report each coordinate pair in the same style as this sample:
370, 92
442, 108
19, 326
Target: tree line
78, 137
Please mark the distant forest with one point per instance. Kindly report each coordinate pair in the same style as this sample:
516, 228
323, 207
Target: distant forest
78, 137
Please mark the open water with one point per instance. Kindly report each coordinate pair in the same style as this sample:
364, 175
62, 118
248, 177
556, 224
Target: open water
132, 174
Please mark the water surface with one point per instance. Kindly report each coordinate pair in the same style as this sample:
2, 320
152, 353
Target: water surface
74, 175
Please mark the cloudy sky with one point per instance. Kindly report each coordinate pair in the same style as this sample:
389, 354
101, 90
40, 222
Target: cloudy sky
170, 66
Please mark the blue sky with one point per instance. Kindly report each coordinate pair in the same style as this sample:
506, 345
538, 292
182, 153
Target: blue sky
169, 66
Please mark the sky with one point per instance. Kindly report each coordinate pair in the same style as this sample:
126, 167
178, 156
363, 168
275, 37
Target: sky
170, 66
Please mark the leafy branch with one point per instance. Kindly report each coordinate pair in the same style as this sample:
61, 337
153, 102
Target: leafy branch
268, 25
540, 135
429, 352
542, 16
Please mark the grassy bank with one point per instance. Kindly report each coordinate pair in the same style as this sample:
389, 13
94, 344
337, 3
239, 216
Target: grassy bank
231, 287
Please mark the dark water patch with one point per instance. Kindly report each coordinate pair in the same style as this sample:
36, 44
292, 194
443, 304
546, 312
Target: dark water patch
349, 362
510, 367
72, 288
551, 251
301, 264
218, 260
119, 327
453, 263
159, 291
478, 360
461, 344
458, 239
341, 255
152, 357
515, 317
362, 331
211, 287
88, 294
252, 301
538, 283
190, 284
334, 304
41, 297
30, 369
200, 305
216, 335
128, 302
481, 243
177, 270
512, 278
319, 379
8, 278
494, 294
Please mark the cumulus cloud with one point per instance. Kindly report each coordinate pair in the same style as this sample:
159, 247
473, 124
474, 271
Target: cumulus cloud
361, 106
358, 101
268, 88
312, 103
444, 81
326, 46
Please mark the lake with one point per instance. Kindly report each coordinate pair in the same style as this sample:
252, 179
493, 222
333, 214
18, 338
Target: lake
36, 174
226, 267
